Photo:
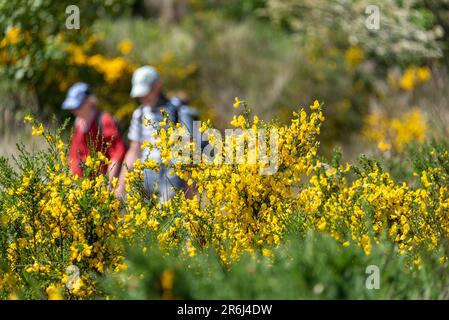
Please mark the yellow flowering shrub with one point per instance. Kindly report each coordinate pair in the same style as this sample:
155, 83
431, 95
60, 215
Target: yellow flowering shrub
112, 69
11, 45
373, 207
85, 62
236, 208
125, 47
54, 223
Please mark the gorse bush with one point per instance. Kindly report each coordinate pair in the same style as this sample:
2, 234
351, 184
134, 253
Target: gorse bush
61, 234
51, 220
238, 207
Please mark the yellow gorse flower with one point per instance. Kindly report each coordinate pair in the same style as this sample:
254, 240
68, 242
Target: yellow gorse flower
111, 68
54, 293
28, 118
37, 131
12, 37
413, 76
64, 220
354, 56
237, 102
125, 47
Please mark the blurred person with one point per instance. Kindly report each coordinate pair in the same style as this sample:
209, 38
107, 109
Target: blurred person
147, 87
94, 130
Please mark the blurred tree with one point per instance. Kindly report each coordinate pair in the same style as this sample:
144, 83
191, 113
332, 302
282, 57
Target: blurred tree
35, 36
408, 30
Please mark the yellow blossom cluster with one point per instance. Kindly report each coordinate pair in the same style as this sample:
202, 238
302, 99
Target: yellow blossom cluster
394, 133
354, 56
237, 209
10, 51
414, 76
125, 47
111, 68
12, 37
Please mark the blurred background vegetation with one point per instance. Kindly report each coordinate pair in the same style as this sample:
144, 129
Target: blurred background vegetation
275, 54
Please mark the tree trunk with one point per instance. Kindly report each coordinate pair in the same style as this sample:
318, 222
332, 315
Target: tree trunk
168, 11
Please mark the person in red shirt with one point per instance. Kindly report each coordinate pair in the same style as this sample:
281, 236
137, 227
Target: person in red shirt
94, 131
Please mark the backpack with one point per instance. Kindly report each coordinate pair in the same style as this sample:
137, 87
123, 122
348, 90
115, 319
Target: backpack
176, 104
173, 107
119, 127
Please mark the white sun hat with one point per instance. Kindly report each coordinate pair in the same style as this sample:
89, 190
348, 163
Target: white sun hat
142, 81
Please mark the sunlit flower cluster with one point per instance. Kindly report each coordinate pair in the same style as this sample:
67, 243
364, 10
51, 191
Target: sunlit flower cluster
12, 45
354, 56
414, 76
111, 68
394, 133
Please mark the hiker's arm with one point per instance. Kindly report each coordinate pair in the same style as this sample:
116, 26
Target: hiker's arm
189, 191
114, 170
186, 119
117, 153
116, 148
131, 156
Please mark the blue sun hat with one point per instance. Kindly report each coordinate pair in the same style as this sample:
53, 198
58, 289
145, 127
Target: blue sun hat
76, 95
